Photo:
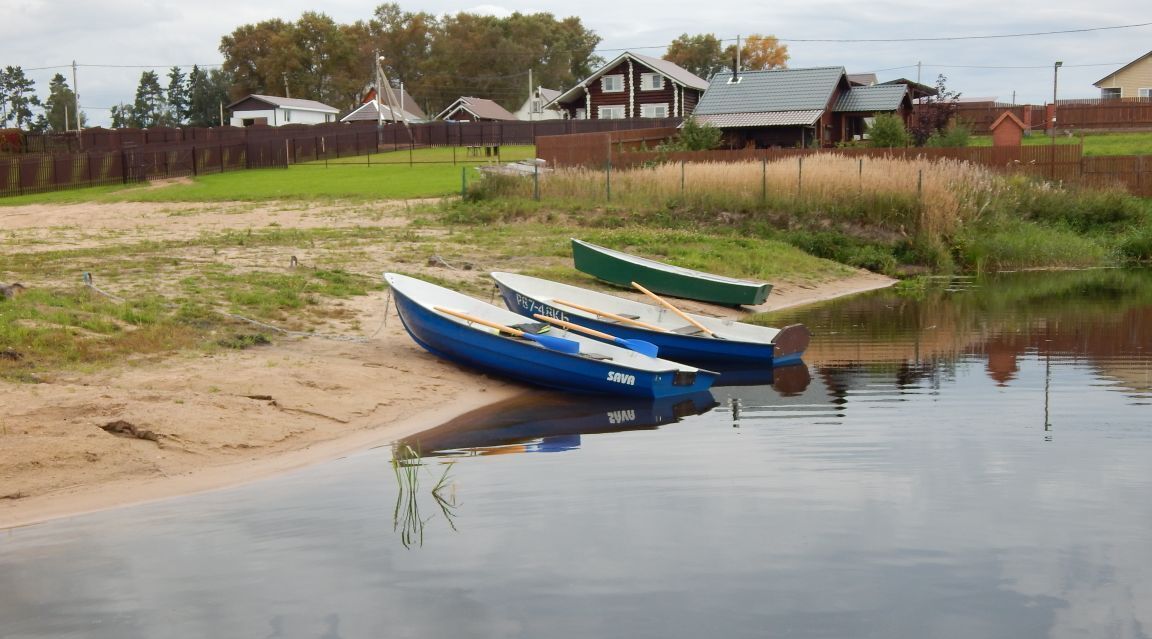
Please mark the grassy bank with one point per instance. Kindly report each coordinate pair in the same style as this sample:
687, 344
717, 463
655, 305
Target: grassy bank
1095, 144
881, 214
404, 174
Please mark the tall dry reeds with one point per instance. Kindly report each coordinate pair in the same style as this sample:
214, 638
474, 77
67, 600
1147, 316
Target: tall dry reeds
929, 197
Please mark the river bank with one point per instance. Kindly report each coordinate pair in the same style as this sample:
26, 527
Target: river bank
135, 431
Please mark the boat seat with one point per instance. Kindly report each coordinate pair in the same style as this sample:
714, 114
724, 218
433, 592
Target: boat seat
687, 330
532, 327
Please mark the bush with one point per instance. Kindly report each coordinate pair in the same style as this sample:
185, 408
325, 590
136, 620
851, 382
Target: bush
888, 131
955, 136
695, 137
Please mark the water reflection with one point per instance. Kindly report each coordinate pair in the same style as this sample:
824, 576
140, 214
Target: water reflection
965, 459
550, 422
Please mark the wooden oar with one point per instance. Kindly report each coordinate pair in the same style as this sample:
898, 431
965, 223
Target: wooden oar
547, 341
638, 345
684, 316
613, 316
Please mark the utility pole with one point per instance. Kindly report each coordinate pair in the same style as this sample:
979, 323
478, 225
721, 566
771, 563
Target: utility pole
918, 73
531, 103
286, 93
76, 95
379, 94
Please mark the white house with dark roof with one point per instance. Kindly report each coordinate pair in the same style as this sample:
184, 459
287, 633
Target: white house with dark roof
633, 86
277, 111
795, 107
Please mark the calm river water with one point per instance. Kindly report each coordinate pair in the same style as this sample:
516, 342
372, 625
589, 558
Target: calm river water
969, 460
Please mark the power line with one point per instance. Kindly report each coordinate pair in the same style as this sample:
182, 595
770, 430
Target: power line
935, 39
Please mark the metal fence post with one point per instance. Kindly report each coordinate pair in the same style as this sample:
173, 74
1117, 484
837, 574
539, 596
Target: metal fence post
800, 179
683, 189
764, 181
608, 179
536, 181
463, 181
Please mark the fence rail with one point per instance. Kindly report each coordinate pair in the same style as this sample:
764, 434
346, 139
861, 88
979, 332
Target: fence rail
1064, 162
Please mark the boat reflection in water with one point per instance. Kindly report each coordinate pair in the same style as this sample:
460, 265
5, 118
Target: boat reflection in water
550, 422
786, 380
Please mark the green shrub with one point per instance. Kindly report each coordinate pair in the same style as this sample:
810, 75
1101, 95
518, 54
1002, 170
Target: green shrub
695, 136
888, 131
956, 136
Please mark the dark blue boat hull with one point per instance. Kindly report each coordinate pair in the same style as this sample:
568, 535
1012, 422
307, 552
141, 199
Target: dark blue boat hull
528, 362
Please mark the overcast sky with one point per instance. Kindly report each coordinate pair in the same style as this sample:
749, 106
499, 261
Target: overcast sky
161, 33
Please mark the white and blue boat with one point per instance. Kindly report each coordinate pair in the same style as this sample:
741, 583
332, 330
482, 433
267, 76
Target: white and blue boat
461, 329
731, 343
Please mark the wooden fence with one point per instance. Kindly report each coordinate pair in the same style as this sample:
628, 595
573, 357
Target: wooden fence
1107, 115
1063, 162
390, 135
597, 149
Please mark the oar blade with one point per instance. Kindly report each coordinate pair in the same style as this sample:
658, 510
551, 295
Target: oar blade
640, 346
555, 343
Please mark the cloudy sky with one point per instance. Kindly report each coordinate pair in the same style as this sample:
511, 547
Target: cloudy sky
115, 40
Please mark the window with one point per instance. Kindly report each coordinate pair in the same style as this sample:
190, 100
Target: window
612, 83
1144, 93
287, 115
611, 113
654, 110
1110, 94
537, 105
651, 82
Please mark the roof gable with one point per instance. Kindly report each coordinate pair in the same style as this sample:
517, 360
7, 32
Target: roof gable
407, 102
771, 90
1121, 69
1008, 116
368, 112
479, 107
670, 70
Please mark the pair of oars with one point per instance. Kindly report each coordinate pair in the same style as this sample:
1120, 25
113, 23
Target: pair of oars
628, 320
551, 341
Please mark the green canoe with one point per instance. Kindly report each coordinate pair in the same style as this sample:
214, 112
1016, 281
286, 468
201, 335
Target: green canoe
623, 269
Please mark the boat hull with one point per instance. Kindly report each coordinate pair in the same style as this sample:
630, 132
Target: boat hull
777, 348
623, 269
529, 362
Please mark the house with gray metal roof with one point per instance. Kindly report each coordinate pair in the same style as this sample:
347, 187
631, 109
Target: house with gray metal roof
633, 86
795, 107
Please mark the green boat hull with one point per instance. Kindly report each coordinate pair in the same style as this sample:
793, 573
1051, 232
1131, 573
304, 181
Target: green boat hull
623, 269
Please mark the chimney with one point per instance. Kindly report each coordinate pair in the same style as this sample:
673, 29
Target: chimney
736, 64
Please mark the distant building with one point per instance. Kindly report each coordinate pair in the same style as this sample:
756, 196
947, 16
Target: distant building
373, 112
634, 86
1133, 80
469, 109
534, 109
796, 107
271, 110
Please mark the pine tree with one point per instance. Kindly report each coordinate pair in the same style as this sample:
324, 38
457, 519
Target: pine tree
207, 91
60, 107
17, 91
177, 97
148, 109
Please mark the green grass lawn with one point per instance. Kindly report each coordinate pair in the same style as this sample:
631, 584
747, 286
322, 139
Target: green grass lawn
388, 176
1094, 143
447, 155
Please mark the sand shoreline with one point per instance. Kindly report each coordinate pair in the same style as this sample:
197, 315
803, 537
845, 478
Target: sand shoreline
227, 418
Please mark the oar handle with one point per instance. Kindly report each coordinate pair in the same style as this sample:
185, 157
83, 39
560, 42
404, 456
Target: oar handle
575, 327
684, 316
612, 316
483, 322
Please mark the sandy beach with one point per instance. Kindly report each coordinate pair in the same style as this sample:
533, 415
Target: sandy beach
194, 421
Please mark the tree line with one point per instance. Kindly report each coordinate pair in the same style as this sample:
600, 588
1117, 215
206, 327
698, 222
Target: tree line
437, 59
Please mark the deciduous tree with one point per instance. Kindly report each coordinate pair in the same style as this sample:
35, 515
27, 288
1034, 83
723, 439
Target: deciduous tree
701, 54
760, 52
934, 113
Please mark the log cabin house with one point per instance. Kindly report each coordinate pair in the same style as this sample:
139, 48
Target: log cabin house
633, 86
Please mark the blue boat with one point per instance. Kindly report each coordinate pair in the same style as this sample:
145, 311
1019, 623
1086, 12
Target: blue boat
732, 343
460, 328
